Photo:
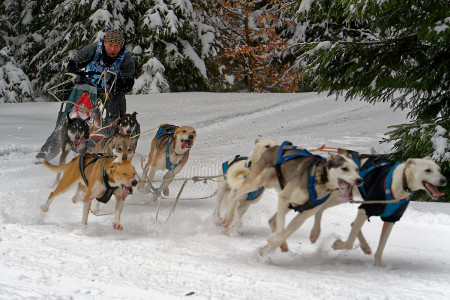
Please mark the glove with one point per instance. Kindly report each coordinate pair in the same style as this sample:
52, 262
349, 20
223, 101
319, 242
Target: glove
81, 79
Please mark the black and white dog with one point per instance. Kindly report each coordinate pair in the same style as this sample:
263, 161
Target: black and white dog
129, 127
74, 136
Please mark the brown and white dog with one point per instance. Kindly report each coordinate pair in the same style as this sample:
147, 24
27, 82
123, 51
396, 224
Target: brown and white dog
120, 146
118, 175
235, 171
169, 151
405, 178
335, 176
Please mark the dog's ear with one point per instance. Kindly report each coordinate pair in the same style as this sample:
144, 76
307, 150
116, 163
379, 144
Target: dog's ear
344, 152
111, 168
257, 141
410, 162
134, 115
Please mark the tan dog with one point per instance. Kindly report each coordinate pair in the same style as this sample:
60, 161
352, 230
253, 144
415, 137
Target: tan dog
236, 169
333, 177
120, 176
169, 151
120, 146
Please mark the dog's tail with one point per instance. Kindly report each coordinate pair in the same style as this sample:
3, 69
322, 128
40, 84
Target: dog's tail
236, 176
51, 167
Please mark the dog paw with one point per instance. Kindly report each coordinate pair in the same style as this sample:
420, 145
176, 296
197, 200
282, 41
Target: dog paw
226, 223
265, 250
314, 235
76, 198
284, 247
143, 188
44, 208
117, 226
340, 245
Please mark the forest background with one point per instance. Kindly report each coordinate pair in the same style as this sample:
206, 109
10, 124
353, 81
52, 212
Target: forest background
375, 51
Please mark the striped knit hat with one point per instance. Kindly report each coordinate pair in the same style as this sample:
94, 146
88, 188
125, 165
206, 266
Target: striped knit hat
114, 36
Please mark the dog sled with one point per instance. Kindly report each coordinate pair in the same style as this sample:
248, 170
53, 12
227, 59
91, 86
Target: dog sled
85, 101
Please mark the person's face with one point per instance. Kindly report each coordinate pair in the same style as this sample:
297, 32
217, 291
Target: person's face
112, 49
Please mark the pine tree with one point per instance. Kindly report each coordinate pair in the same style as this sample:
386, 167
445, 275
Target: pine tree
385, 51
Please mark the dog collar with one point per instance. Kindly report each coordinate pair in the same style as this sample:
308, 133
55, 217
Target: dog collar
405, 182
75, 145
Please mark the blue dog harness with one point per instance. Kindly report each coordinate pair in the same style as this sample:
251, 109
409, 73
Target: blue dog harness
313, 201
251, 195
169, 130
377, 174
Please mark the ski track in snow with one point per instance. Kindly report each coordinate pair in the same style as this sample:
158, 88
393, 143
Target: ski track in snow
52, 256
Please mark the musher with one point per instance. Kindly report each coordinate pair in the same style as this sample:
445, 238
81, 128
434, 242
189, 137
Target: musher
111, 55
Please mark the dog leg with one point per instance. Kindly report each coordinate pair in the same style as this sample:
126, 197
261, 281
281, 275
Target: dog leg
363, 243
361, 218
273, 225
95, 206
315, 231
167, 180
240, 210
385, 232
231, 208
80, 192
222, 193
119, 208
87, 205
277, 238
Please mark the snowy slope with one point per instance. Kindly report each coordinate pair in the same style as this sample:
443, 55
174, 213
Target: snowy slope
52, 256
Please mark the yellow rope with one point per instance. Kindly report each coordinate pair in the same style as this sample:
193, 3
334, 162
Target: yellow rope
146, 131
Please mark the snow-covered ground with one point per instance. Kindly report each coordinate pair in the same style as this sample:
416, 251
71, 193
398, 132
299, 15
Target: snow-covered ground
52, 256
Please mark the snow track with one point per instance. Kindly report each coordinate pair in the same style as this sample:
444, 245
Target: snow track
52, 256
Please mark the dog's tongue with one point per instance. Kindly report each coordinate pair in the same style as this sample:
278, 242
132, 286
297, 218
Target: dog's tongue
433, 190
346, 191
183, 144
125, 191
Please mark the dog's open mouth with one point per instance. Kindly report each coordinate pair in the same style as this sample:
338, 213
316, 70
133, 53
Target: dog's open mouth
346, 191
76, 144
432, 190
186, 144
126, 191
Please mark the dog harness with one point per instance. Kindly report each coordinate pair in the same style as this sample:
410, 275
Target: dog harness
313, 201
377, 173
98, 65
251, 195
109, 189
169, 130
